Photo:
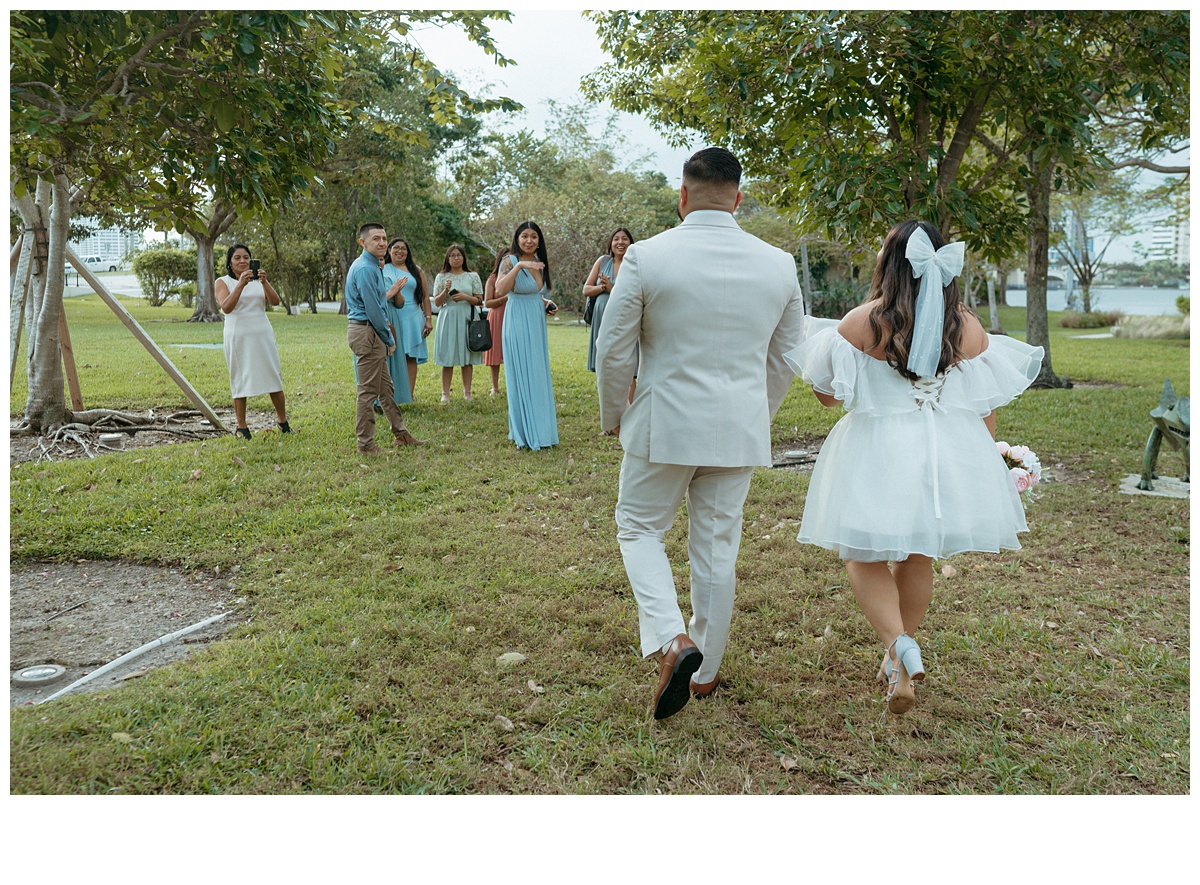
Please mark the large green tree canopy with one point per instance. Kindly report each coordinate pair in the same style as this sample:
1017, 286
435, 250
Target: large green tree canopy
862, 118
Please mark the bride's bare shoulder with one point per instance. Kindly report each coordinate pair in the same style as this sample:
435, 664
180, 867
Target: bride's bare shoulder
974, 338
855, 327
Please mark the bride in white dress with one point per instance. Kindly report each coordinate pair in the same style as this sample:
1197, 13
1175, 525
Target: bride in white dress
911, 472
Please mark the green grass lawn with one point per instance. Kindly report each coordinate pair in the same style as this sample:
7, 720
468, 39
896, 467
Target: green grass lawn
382, 592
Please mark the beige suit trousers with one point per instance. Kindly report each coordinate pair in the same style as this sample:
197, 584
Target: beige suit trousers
647, 501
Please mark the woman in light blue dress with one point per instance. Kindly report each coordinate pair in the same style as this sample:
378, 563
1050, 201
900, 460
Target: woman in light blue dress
599, 285
525, 278
412, 320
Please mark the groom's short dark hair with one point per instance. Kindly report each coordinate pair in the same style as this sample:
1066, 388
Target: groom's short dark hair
713, 165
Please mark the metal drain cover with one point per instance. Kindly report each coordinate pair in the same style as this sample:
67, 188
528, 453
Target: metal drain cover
41, 674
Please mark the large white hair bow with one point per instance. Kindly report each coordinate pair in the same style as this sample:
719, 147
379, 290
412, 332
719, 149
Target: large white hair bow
935, 270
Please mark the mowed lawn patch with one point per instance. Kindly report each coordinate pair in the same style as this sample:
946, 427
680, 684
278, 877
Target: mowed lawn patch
383, 591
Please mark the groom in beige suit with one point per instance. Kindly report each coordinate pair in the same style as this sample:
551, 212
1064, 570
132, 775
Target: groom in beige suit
714, 309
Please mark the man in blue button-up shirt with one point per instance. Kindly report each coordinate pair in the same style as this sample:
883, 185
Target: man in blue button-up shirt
372, 340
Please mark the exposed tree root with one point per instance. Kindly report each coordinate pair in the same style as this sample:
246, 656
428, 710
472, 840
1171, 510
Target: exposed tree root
1051, 381
84, 429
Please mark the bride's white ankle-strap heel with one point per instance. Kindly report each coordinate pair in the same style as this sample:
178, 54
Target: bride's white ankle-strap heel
910, 669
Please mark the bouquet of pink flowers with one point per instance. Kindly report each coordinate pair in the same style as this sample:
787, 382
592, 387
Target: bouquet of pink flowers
1023, 465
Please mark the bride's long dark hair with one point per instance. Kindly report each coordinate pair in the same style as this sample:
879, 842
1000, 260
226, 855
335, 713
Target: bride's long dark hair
894, 296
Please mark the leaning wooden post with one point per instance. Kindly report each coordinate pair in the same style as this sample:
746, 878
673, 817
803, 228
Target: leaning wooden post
140, 334
18, 296
68, 358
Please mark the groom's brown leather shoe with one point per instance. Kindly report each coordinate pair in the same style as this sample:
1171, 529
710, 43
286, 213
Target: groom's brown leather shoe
680, 661
704, 689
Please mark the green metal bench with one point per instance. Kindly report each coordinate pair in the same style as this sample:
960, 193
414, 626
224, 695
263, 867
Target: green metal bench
1172, 422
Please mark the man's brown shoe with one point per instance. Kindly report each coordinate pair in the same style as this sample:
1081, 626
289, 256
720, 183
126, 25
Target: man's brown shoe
704, 689
404, 438
680, 661
371, 450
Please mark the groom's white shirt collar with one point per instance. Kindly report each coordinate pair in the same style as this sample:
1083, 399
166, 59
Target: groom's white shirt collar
713, 217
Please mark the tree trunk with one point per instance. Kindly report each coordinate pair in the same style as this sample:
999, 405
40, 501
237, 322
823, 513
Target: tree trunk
970, 284
1085, 273
206, 297
344, 262
993, 313
1037, 319
46, 406
279, 286
804, 270
222, 218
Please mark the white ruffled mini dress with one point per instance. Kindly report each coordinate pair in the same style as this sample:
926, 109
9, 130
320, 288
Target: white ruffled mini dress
911, 468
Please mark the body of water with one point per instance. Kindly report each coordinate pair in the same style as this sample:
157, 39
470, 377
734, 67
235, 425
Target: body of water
1131, 301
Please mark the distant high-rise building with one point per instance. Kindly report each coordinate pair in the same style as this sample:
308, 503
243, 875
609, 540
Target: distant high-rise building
1171, 241
106, 242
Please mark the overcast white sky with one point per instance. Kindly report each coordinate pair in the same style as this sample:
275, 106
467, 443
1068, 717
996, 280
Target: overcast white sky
553, 51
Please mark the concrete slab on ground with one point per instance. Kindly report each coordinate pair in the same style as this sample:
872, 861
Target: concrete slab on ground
1164, 487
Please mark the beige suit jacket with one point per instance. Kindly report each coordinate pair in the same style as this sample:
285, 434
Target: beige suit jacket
714, 309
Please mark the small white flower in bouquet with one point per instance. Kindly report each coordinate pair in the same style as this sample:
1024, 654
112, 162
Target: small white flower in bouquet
1023, 465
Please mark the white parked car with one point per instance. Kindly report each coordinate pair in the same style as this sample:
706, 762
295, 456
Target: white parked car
96, 263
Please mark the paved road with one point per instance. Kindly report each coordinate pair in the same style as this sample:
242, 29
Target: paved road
117, 283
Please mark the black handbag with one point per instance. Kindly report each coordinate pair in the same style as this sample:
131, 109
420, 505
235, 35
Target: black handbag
479, 332
589, 309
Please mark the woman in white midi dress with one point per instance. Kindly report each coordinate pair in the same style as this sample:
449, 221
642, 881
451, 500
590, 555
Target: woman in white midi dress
911, 473
250, 349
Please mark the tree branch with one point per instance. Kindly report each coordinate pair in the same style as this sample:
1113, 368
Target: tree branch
1153, 167
22, 92
1003, 155
60, 110
223, 216
893, 124
119, 84
964, 132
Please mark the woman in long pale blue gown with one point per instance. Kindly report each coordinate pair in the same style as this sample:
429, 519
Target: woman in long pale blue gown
525, 279
412, 320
